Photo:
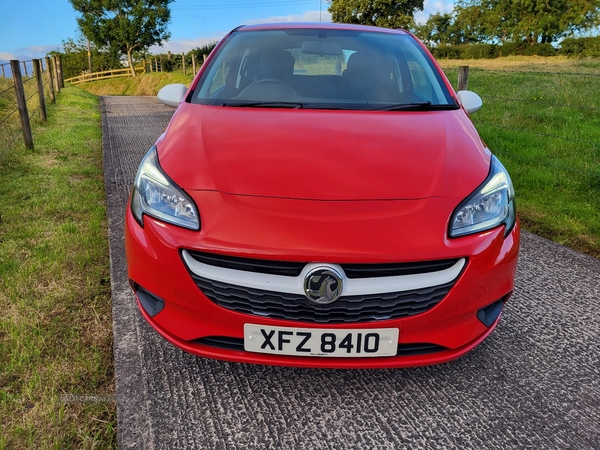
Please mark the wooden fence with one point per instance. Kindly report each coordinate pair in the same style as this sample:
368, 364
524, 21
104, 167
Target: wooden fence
157, 63
27, 92
104, 75
153, 64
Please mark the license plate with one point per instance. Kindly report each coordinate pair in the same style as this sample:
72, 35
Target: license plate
326, 342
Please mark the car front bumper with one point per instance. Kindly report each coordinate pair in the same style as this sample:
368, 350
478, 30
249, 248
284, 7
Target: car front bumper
191, 321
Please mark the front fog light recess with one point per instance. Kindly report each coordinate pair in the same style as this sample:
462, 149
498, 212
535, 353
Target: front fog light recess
491, 205
155, 194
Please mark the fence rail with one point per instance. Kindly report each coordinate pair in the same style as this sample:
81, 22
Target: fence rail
104, 75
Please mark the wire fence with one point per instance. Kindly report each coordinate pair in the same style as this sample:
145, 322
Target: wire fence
23, 99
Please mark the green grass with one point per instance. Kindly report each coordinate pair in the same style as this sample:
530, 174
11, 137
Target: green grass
545, 128
144, 84
55, 311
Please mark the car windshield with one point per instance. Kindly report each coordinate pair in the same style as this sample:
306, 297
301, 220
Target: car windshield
322, 69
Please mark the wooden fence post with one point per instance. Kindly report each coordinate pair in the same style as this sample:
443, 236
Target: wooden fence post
194, 63
25, 69
3, 75
37, 70
61, 78
55, 69
50, 82
21, 103
463, 78
183, 63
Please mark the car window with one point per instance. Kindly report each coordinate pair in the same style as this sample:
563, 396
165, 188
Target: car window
341, 69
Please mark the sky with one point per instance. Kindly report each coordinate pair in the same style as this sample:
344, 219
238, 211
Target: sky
32, 28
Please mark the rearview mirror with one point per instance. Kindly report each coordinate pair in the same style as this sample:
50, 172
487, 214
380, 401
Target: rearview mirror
470, 101
172, 94
321, 48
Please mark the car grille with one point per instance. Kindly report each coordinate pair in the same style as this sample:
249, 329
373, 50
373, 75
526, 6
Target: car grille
293, 269
296, 307
230, 343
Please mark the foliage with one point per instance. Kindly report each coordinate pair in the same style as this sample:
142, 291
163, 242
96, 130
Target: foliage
205, 49
439, 29
75, 58
124, 26
381, 13
535, 21
487, 51
581, 47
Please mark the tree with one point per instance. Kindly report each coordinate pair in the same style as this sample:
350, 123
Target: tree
439, 29
75, 57
381, 13
534, 21
124, 25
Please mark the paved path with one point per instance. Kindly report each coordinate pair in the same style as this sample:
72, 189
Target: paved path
534, 383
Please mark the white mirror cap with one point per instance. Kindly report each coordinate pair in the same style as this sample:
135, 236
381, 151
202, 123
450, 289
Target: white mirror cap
172, 94
470, 101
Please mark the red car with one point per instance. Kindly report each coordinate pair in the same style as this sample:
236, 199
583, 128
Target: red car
321, 198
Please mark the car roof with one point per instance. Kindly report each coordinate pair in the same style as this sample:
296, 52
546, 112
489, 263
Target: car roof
319, 26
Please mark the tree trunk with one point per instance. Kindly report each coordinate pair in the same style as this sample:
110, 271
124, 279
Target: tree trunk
130, 61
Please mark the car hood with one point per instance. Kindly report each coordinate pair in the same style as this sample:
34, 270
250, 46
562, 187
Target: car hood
323, 154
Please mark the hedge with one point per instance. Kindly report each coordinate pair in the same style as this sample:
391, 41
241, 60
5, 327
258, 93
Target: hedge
580, 47
488, 51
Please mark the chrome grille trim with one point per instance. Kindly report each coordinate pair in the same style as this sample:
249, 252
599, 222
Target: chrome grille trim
295, 285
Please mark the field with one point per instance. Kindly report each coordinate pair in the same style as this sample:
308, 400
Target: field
540, 117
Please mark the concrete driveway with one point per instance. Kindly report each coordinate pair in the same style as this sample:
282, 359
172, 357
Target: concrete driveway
534, 383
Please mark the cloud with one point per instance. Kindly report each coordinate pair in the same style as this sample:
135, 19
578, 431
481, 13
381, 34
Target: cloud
308, 16
27, 53
185, 45
431, 7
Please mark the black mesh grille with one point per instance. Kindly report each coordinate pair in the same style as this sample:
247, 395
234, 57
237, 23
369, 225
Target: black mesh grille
362, 308
291, 269
396, 269
230, 343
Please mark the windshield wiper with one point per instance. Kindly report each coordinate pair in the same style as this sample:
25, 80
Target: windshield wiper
264, 104
417, 106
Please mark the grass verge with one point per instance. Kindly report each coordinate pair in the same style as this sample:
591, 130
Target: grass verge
145, 84
544, 126
55, 310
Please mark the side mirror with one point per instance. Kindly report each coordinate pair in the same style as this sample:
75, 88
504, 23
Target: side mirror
470, 101
172, 94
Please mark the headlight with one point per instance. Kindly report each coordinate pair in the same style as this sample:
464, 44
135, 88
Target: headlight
155, 194
491, 205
